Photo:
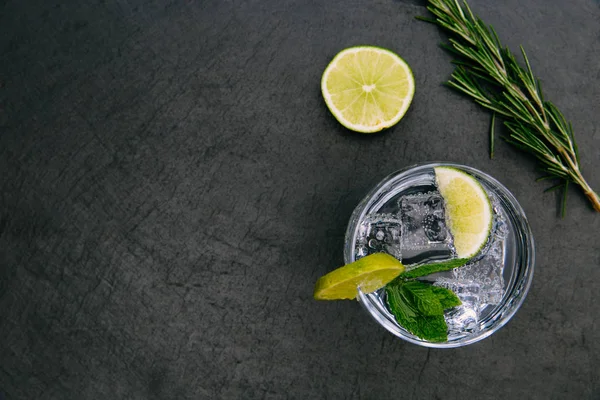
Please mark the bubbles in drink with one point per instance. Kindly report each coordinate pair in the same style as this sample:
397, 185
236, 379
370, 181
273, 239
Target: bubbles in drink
435, 228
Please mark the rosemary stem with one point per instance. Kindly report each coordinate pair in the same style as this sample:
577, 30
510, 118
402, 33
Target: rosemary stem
592, 196
588, 191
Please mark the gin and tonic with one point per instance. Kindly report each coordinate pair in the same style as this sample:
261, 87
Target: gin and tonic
404, 216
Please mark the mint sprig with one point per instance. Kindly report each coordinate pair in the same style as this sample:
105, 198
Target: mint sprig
419, 308
432, 268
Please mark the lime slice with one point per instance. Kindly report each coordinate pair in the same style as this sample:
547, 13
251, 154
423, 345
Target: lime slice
369, 273
367, 88
468, 209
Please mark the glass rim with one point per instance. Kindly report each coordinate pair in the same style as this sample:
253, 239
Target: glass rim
517, 292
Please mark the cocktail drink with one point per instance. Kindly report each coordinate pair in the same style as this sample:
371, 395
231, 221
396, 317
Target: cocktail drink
406, 216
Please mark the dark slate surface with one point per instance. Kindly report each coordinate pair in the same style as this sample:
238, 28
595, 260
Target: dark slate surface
172, 185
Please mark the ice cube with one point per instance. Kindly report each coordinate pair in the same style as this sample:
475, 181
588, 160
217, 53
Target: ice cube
424, 227
479, 282
478, 285
468, 291
488, 271
462, 319
379, 233
500, 228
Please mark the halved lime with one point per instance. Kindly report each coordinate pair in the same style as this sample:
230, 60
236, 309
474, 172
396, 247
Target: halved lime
367, 88
468, 210
369, 273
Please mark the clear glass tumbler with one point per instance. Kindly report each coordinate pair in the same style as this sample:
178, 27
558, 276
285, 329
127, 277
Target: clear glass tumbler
516, 247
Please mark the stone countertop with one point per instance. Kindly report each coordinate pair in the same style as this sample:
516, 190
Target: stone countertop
172, 185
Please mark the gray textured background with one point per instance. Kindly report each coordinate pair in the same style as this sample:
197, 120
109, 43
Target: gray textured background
172, 185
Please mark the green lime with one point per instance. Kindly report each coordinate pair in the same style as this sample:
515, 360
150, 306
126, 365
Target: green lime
367, 88
468, 210
369, 273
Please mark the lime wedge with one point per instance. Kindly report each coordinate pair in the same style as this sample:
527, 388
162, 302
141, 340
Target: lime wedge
369, 273
468, 210
367, 88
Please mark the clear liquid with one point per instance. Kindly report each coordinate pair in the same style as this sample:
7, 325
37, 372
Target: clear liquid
407, 222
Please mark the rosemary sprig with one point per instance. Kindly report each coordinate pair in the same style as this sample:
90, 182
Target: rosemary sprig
490, 74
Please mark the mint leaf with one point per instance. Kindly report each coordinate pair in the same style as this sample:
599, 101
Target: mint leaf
432, 268
419, 308
399, 306
446, 297
432, 328
423, 298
